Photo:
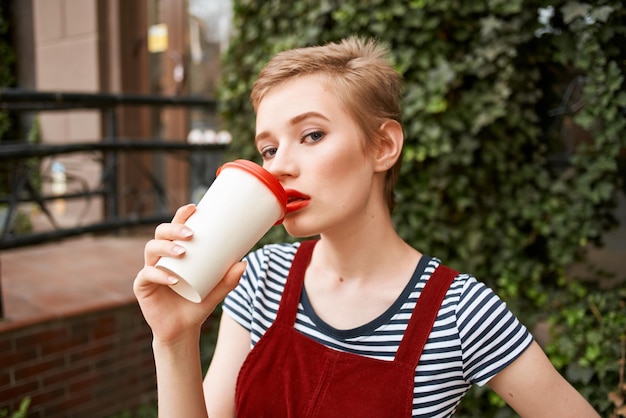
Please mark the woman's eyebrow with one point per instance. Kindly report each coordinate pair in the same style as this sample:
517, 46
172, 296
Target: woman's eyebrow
293, 121
307, 115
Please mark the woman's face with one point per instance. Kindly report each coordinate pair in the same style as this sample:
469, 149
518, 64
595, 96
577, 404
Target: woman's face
314, 148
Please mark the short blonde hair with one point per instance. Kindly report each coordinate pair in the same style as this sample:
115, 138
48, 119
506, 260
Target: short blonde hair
358, 71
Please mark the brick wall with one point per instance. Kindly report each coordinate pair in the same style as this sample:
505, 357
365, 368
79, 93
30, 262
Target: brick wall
91, 365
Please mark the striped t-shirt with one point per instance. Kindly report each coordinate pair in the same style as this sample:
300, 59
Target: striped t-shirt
474, 336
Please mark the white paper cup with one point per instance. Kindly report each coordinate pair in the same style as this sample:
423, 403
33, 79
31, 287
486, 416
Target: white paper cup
241, 205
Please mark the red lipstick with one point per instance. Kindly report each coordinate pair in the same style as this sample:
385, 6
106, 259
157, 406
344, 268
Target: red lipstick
296, 200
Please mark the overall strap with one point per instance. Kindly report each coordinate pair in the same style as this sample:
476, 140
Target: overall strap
424, 316
290, 299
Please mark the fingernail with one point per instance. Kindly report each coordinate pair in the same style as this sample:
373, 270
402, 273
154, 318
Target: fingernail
172, 279
178, 250
186, 232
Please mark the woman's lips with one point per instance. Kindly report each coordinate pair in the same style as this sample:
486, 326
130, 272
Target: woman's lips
296, 200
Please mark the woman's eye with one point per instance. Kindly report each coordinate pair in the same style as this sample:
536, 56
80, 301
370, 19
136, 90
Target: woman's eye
269, 152
313, 136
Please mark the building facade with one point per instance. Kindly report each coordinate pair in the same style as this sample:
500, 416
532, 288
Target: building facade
147, 47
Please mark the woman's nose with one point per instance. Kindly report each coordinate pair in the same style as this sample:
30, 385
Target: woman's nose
281, 164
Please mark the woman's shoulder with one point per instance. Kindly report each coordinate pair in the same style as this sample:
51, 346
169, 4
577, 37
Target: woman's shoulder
287, 248
462, 280
466, 290
276, 251
261, 286
270, 259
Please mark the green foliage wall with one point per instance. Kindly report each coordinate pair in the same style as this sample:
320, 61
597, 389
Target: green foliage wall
514, 126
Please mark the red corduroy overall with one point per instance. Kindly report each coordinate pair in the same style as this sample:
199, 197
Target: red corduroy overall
287, 374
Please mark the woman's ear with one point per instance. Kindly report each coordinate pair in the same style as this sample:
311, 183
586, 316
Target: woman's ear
389, 147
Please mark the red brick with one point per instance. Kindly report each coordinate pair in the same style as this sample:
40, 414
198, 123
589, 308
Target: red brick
47, 396
15, 393
41, 336
80, 325
104, 327
24, 371
5, 377
68, 406
92, 352
68, 374
6, 343
105, 363
85, 383
79, 337
36, 412
11, 359
55, 347
142, 336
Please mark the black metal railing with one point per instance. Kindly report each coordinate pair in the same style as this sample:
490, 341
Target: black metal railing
25, 178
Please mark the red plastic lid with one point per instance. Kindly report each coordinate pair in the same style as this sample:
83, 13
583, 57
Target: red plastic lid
264, 176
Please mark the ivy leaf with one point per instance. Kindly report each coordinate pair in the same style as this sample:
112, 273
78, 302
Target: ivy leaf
440, 77
573, 10
577, 373
602, 14
490, 26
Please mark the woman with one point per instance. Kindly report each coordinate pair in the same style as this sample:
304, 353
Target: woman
339, 336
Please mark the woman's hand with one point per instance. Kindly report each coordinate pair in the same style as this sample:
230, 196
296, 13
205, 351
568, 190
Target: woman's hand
171, 316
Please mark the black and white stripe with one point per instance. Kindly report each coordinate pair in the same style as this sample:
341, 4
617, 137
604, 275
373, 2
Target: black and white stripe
474, 336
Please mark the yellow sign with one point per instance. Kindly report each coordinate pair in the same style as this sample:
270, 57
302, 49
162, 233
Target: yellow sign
157, 38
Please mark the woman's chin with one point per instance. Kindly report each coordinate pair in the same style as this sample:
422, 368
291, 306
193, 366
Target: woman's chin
298, 230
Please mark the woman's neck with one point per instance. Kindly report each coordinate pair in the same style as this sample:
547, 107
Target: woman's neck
368, 252
353, 279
